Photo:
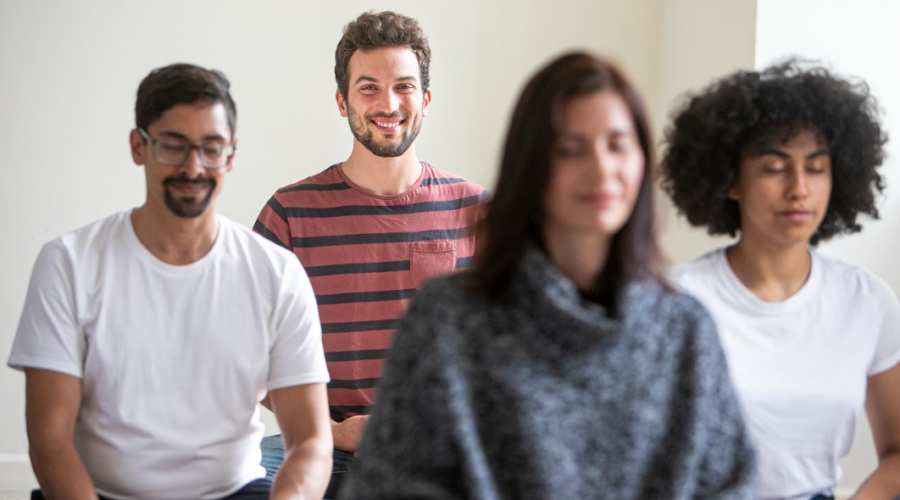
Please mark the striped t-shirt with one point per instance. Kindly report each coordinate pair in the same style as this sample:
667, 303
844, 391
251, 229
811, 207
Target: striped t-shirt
366, 255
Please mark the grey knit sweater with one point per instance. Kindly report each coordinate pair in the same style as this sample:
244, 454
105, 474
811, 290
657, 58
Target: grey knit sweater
545, 397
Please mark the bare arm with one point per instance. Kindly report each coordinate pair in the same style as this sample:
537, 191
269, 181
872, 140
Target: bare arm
883, 410
347, 434
52, 401
302, 414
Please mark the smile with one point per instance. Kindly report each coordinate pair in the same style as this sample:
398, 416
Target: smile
388, 125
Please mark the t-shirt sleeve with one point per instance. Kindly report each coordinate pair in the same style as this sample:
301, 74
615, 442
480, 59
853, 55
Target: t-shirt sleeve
887, 346
296, 356
49, 336
272, 224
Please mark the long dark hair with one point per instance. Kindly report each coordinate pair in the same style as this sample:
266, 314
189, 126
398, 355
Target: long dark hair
515, 215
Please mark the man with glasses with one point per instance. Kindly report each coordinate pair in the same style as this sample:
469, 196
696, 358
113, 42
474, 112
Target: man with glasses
371, 229
147, 338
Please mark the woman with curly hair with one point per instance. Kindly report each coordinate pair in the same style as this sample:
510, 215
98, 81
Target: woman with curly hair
560, 366
784, 159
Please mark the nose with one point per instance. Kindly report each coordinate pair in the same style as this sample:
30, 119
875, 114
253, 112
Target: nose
601, 164
192, 164
798, 187
389, 101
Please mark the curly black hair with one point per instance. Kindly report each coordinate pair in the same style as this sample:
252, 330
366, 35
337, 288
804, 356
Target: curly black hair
709, 133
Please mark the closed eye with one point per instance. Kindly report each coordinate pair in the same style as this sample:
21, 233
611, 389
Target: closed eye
174, 147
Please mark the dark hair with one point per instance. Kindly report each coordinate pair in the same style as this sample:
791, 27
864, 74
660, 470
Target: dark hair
747, 109
515, 215
372, 31
181, 83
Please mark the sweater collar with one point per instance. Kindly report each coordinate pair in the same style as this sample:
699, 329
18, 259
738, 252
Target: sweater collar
545, 286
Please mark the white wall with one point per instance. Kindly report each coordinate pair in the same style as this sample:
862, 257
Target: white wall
859, 39
700, 40
69, 72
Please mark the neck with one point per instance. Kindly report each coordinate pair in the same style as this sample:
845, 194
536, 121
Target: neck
773, 273
175, 240
382, 176
580, 256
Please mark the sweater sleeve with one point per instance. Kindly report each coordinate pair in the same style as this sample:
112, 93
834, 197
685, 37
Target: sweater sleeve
728, 464
408, 450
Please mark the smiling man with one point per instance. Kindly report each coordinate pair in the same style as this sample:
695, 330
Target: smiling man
148, 337
371, 229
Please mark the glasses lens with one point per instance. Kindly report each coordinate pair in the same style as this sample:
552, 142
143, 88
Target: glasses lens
213, 155
172, 152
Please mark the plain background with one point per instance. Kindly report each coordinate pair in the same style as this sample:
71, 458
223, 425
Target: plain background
69, 72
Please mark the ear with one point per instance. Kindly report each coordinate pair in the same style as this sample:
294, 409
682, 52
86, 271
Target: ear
341, 103
733, 193
228, 166
137, 147
426, 103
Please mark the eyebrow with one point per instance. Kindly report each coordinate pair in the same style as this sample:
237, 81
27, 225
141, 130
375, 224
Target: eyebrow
781, 154
614, 133
365, 78
206, 138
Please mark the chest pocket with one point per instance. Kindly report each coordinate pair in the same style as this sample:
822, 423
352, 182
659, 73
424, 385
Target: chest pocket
428, 259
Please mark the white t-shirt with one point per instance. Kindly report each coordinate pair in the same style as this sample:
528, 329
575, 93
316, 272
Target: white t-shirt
800, 366
173, 359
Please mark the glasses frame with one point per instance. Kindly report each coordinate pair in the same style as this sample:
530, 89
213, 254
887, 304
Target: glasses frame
143, 133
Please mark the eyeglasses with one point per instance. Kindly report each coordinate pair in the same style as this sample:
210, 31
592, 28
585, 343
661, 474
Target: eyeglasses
172, 151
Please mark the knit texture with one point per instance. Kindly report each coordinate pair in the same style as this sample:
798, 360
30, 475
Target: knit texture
544, 396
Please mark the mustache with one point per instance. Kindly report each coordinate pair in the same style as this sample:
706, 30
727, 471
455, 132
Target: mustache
208, 181
381, 114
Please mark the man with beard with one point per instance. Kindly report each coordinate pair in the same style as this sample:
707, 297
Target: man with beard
369, 230
148, 337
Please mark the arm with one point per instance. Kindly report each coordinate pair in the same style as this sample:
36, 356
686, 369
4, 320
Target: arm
347, 434
883, 410
302, 414
52, 401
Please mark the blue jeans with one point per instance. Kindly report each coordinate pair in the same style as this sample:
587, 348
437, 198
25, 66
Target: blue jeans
273, 455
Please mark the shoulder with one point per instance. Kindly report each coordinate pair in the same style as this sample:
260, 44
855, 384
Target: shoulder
254, 248
655, 302
438, 177
91, 240
326, 180
675, 322
850, 279
703, 269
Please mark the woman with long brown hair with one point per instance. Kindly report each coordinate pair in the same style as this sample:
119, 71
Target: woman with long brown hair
561, 366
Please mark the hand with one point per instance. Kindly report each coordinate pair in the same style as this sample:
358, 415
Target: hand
348, 433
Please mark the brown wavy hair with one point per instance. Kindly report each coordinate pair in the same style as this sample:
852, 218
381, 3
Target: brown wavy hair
372, 31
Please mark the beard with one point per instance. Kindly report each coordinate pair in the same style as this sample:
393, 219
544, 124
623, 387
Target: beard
363, 134
188, 207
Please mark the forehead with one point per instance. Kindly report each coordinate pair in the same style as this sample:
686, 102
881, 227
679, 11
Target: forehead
785, 138
596, 113
384, 64
197, 121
